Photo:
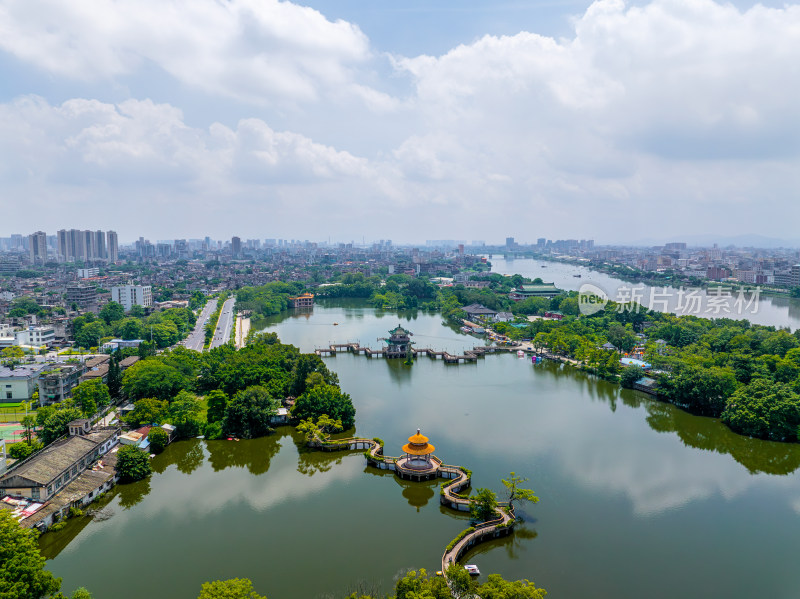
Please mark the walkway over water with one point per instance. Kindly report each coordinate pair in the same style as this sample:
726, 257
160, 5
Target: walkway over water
470, 355
458, 480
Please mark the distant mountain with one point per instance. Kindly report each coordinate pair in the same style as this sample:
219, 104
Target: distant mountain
708, 240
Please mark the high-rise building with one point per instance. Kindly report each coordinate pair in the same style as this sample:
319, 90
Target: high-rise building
112, 244
236, 246
37, 247
510, 242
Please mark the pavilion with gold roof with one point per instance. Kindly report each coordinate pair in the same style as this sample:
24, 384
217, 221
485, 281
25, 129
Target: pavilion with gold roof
418, 458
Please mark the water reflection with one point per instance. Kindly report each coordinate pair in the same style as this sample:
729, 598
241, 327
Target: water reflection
710, 435
187, 456
131, 494
514, 545
418, 494
255, 454
311, 462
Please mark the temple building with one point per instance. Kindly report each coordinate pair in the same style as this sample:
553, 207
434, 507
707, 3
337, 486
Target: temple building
398, 345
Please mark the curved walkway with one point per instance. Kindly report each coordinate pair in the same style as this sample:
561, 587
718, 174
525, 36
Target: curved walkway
459, 479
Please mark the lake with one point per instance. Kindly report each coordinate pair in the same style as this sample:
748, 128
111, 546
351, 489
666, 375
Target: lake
637, 498
777, 311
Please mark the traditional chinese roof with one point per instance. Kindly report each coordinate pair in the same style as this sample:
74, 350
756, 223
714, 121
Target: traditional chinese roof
418, 445
398, 330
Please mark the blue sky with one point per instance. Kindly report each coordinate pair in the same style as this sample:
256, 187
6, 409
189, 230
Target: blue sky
411, 121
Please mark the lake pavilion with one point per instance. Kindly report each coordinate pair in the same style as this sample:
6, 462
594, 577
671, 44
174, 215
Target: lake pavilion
418, 458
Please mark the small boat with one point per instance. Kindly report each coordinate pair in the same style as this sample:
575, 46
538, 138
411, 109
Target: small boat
520, 353
336, 324
577, 276
472, 569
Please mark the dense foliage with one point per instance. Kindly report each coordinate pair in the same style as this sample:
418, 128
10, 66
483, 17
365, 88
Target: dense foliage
165, 328
328, 400
132, 464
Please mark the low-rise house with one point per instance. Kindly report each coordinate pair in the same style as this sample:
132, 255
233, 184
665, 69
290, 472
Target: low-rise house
41, 476
79, 493
479, 311
503, 317
18, 383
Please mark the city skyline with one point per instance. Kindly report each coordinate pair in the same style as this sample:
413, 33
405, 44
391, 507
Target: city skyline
582, 119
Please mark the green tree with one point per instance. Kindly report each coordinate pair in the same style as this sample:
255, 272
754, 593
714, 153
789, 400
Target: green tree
112, 312
152, 378
28, 423
621, 338
90, 334
23, 449
130, 328
764, 409
136, 311
22, 573
81, 593
132, 464
217, 402
700, 389
235, 588
159, 439
147, 410
631, 374
517, 493
483, 505
91, 394
322, 429
496, 587
419, 585
184, 411
56, 424
114, 377
249, 413
325, 399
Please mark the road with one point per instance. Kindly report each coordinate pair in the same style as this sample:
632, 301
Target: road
225, 324
197, 337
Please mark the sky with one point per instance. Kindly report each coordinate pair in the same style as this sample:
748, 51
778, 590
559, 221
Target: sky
413, 120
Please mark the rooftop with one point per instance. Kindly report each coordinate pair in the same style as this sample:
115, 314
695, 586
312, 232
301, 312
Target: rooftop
43, 467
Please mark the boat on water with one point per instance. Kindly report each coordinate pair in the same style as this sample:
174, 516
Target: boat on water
577, 276
520, 353
472, 569
466, 330
336, 324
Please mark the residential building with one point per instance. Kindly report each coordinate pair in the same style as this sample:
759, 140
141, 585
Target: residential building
19, 382
36, 336
236, 246
37, 247
112, 245
88, 273
82, 295
57, 382
132, 295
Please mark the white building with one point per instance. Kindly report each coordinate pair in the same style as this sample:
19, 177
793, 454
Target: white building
132, 295
88, 273
18, 384
31, 337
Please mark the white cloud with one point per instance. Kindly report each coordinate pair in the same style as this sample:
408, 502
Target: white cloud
261, 51
674, 107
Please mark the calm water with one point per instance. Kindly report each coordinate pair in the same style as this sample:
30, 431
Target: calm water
778, 311
637, 499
